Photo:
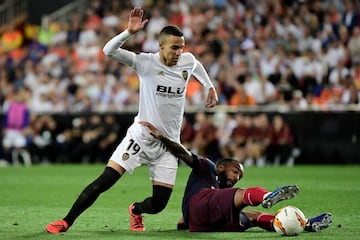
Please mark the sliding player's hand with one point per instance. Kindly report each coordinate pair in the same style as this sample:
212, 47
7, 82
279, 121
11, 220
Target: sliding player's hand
152, 129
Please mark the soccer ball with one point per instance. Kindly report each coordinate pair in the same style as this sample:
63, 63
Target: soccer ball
289, 221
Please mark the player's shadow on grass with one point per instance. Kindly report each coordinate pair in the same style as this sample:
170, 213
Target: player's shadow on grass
151, 234
175, 234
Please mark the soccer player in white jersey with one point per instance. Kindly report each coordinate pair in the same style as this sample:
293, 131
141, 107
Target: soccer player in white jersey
163, 79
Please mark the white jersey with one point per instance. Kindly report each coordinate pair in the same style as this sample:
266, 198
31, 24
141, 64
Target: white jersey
162, 92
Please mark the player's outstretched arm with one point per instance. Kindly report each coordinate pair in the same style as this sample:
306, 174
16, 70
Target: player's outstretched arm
175, 148
113, 48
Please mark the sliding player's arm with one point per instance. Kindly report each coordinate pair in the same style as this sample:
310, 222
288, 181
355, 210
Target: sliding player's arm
175, 148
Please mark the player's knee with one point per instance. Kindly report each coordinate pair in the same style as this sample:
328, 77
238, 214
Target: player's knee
106, 180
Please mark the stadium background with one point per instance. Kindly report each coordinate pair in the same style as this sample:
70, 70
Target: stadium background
325, 132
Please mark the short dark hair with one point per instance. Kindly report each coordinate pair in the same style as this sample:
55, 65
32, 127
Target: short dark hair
226, 161
171, 30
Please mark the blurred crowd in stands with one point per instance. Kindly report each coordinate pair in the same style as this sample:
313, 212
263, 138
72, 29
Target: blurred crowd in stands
256, 139
302, 54
293, 52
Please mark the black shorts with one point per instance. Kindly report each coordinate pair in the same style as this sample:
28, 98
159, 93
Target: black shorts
213, 210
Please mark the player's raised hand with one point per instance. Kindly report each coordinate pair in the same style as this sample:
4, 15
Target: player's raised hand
136, 21
212, 98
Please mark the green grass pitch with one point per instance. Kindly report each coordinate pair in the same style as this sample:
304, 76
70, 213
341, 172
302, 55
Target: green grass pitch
31, 197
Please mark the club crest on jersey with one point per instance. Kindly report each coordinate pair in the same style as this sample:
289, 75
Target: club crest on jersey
125, 156
185, 75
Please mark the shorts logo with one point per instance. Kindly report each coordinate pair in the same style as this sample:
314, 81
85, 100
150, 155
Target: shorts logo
185, 75
125, 156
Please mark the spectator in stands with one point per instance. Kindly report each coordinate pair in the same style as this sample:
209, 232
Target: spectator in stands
280, 143
43, 132
239, 137
74, 30
355, 74
97, 8
350, 17
225, 80
313, 72
206, 142
257, 141
336, 52
260, 88
16, 129
91, 134
119, 96
338, 74
11, 39
178, 10
298, 101
110, 19
354, 45
155, 24
92, 20
225, 123
36, 50
349, 93
69, 138
107, 139
240, 97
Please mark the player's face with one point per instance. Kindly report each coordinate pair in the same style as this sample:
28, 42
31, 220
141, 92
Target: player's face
171, 48
230, 175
